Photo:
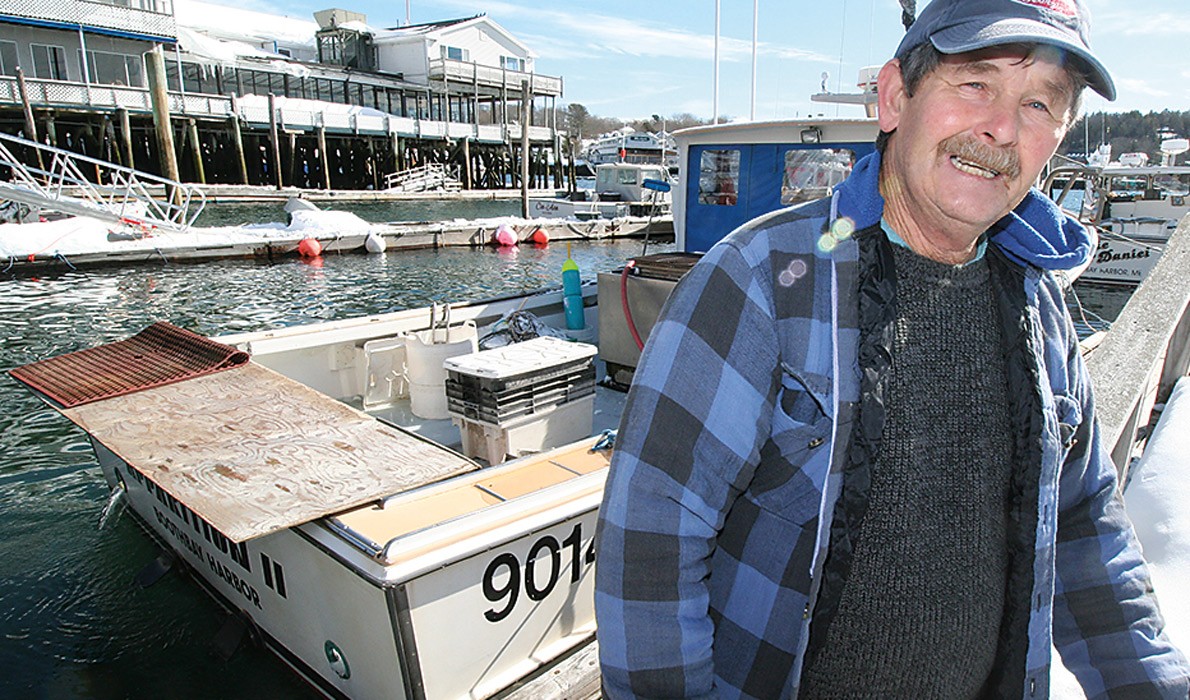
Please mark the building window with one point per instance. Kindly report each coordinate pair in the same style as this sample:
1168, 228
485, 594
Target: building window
116, 69
49, 62
719, 177
8, 58
512, 63
455, 53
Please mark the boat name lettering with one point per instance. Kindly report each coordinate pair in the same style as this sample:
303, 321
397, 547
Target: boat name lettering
246, 589
179, 534
502, 580
237, 552
1106, 256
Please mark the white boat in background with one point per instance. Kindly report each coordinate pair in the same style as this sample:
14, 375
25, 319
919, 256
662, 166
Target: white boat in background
626, 145
1134, 208
621, 189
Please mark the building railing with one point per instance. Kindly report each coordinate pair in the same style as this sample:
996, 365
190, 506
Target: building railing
64, 93
493, 77
61, 93
149, 17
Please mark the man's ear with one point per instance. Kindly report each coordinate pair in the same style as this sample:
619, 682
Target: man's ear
890, 95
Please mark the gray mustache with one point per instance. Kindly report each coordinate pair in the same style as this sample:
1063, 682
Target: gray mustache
1002, 160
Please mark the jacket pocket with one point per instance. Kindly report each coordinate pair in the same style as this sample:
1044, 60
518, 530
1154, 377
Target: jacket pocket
785, 481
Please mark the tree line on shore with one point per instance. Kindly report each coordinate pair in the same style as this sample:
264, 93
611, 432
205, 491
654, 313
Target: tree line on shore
1127, 132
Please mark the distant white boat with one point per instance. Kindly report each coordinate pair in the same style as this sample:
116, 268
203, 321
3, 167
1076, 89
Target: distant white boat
626, 146
621, 189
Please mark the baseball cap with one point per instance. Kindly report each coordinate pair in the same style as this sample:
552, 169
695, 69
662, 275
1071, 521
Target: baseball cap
958, 26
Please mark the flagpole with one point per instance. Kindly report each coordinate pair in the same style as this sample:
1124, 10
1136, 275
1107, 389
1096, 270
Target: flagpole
715, 96
755, 31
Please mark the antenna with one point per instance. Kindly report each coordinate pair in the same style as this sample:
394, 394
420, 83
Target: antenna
825, 79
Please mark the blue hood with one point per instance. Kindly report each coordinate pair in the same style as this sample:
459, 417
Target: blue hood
1036, 233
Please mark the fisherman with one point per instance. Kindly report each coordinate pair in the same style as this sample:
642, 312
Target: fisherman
860, 456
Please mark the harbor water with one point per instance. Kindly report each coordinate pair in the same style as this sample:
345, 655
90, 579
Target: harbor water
73, 623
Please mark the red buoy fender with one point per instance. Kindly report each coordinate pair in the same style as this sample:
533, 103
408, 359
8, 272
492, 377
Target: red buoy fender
309, 248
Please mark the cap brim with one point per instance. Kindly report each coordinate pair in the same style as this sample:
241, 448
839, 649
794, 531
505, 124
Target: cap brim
975, 35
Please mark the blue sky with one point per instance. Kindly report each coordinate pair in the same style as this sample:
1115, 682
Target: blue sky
633, 59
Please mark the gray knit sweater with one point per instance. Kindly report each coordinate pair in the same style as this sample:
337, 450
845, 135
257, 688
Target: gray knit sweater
920, 613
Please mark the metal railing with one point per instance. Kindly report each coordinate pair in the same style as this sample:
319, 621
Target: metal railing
75, 184
425, 178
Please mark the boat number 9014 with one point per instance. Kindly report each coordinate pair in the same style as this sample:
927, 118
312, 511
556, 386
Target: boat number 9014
539, 574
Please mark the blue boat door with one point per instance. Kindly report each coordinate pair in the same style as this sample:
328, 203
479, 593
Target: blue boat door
731, 184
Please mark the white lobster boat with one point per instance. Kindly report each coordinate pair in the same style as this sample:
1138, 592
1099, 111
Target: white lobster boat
1135, 208
372, 559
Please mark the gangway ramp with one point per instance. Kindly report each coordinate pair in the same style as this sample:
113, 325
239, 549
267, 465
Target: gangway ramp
113, 193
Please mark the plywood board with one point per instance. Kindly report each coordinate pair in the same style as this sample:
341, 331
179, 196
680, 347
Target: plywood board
253, 452
382, 523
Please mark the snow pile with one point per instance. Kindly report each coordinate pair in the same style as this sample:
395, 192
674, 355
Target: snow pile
238, 24
1156, 502
322, 224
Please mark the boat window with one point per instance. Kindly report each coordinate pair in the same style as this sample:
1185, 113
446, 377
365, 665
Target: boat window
627, 177
1173, 184
812, 173
719, 177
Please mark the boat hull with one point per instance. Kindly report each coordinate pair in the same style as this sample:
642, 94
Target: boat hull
1123, 260
468, 625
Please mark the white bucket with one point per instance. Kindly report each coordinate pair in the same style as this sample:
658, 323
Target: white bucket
425, 351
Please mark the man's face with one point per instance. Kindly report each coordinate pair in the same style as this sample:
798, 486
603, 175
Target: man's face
972, 138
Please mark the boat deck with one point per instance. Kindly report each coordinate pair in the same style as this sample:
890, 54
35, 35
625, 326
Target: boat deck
375, 526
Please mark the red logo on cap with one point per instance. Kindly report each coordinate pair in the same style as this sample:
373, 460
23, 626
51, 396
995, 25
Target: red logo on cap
1061, 7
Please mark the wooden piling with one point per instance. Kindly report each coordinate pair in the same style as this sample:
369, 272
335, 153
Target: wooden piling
525, 149
30, 125
274, 138
196, 151
291, 155
126, 137
322, 156
155, 69
237, 139
466, 163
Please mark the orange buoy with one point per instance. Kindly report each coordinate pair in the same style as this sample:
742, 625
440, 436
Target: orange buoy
309, 248
540, 237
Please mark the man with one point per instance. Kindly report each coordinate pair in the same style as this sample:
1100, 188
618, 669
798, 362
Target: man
859, 458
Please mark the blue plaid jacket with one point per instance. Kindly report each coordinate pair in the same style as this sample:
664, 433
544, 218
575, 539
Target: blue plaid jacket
741, 451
